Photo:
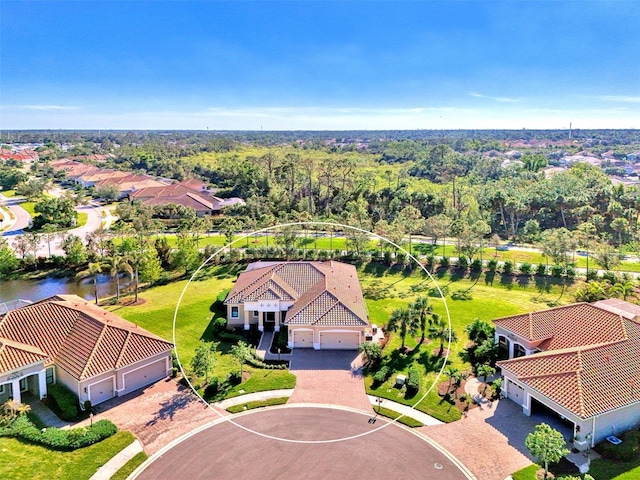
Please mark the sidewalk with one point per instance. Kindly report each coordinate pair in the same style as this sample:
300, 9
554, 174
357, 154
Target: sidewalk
252, 397
106, 471
428, 420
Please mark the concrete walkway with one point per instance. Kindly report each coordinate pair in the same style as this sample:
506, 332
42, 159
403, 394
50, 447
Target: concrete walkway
46, 415
106, 471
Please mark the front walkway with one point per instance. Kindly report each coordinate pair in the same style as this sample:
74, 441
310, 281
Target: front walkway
331, 377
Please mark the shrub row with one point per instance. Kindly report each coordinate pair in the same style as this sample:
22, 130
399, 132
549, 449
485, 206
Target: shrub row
63, 400
413, 379
381, 375
258, 363
59, 439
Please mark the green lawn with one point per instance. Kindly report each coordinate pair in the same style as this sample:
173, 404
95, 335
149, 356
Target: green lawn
129, 467
602, 469
405, 420
258, 404
527, 473
8, 193
24, 461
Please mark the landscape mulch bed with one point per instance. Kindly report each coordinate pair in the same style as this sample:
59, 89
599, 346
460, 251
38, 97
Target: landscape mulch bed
443, 389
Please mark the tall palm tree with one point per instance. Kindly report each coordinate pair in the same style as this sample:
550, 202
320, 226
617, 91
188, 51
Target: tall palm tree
439, 330
624, 289
423, 312
116, 263
451, 372
92, 271
134, 259
403, 321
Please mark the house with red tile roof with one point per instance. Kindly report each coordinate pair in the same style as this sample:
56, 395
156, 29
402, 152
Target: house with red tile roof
581, 361
65, 339
320, 303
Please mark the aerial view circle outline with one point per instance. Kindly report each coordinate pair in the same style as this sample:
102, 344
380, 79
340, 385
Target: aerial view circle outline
228, 418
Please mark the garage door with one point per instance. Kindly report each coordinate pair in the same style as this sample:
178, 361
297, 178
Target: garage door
302, 339
339, 340
515, 393
101, 391
145, 375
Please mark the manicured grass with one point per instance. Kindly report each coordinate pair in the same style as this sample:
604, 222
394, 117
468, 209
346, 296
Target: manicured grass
8, 193
262, 380
129, 467
603, 469
29, 207
405, 420
81, 219
24, 461
527, 473
258, 404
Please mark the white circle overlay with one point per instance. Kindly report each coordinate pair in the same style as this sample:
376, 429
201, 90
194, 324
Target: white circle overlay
229, 418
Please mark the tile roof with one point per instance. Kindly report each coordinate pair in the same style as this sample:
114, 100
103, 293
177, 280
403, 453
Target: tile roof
588, 379
324, 293
568, 326
79, 337
15, 355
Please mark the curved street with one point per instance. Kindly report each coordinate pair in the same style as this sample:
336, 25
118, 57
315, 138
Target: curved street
224, 450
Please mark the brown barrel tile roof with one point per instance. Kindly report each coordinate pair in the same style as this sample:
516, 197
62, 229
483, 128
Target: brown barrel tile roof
14, 355
324, 293
588, 379
80, 337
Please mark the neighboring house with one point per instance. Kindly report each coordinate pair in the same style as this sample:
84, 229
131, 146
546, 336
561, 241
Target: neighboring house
321, 303
188, 193
129, 183
65, 339
580, 361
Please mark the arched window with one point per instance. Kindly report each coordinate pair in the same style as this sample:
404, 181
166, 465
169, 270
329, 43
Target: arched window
503, 347
518, 350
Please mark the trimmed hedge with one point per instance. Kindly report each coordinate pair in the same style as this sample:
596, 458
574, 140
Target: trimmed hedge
64, 401
59, 439
413, 379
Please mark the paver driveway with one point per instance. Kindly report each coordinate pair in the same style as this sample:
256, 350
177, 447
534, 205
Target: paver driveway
489, 441
329, 377
157, 414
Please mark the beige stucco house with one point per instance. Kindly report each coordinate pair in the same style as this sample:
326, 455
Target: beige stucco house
321, 303
581, 361
65, 339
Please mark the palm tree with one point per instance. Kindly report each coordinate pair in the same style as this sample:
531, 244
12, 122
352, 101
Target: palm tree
451, 372
92, 271
439, 330
423, 311
624, 289
116, 263
484, 371
402, 321
134, 259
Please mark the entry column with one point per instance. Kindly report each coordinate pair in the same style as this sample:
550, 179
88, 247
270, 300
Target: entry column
42, 384
15, 391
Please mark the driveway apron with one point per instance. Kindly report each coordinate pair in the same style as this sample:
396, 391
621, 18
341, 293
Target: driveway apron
330, 377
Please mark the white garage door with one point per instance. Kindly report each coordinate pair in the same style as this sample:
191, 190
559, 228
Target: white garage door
339, 340
145, 375
101, 391
302, 339
515, 393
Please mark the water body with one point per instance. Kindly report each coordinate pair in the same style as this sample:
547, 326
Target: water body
35, 290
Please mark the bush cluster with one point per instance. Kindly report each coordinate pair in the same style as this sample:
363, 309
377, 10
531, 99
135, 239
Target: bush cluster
413, 379
629, 449
258, 363
381, 375
63, 400
59, 439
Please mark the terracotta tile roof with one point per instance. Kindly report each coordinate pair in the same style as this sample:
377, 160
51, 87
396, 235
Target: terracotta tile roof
324, 293
588, 379
564, 327
15, 355
80, 337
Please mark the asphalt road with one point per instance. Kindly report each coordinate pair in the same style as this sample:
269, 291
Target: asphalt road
225, 451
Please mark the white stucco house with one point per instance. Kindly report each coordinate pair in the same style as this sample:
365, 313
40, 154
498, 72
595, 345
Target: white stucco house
581, 361
321, 303
65, 339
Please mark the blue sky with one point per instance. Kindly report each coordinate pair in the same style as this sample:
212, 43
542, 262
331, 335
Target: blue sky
301, 65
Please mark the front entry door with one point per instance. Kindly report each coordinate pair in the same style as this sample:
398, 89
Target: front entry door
269, 320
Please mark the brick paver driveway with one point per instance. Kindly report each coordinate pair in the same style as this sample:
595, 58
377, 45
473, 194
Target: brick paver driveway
157, 414
225, 451
329, 376
489, 441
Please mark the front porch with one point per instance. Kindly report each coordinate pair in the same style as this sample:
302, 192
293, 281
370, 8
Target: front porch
16, 387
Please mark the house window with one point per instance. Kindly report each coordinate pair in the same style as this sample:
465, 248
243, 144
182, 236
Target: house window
235, 313
255, 313
1, 389
50, 377
23, 384
518, 350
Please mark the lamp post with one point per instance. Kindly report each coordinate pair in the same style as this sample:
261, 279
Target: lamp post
278, 354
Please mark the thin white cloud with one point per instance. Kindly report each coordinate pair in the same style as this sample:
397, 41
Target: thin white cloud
618, 98
49, 107
495, 99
